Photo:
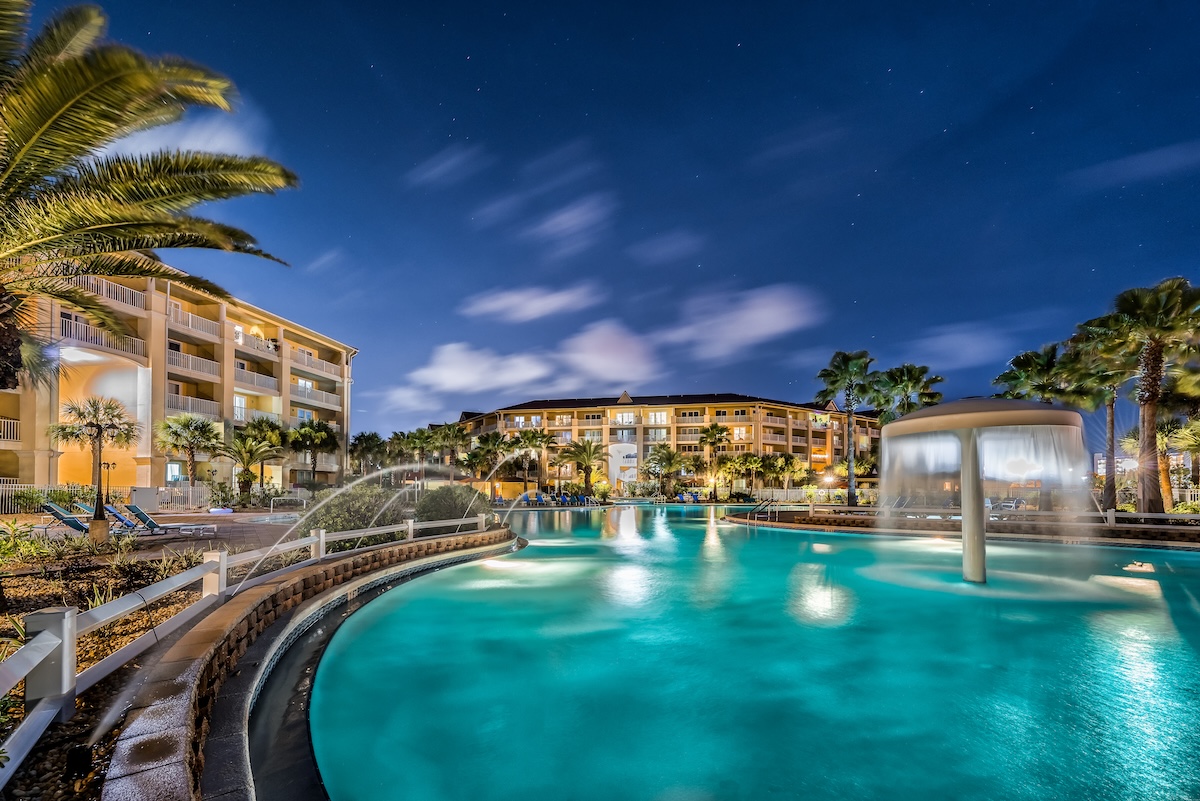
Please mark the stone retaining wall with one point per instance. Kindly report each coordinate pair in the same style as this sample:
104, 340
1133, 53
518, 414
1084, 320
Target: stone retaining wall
159, 753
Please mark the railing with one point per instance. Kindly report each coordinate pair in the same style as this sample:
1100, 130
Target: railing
695, 421
186, 403
243, 415
256, 379
296, 422
773, 437
91, 335
320, 365
772, 420
687, 437
114, 292
629, 422
522, 423
195, 322
46, 661
255, 343
317, 396
327, 461
184, 497
10, 430
617, 438
567, 423
196, 364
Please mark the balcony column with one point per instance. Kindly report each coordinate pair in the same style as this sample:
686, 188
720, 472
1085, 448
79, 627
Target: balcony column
152, 385
226, 356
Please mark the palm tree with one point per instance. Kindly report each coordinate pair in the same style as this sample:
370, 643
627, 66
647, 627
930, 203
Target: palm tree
1097, 365
367, 449
1188, 439
527, 444
269, 431
312, 437
753, 464
397, 452
847, 375
713, 436
72, 210
453, 439
664, 462
93, 422
1034, 375
1157, 323
586, 455
187, 434
694, 464
1165, 434
898, 391
246, 453
421, 442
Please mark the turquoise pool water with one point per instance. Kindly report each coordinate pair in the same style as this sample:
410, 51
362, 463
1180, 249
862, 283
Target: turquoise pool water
654, 653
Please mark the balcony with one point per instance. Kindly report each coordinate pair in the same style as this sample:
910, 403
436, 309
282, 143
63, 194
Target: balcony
565, 422
625, 439
687, 437
695, 421
774, 438
313, 364
243, 415
522, 423
316, 396
121, 295
194, 322
772, 420
194, 364
327, 462
10, 430
252, 344
200, 406
296, 422
253, 379
631, 420
799, 440
92, 336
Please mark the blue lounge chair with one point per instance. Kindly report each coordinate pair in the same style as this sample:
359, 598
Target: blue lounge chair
153, 527
540, 500
681, 498
66, 518
565, 499
124, 521
695, 497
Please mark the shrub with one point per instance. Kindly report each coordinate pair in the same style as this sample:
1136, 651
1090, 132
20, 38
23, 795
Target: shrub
358, 507
1186, 508
452, 502
29, 500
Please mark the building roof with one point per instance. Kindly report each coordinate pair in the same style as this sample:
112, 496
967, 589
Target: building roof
658, 400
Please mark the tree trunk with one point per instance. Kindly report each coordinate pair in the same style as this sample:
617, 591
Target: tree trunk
1109, 498
1164, 481
1195, 455
1150, 370
10, 344
851, 495
190, 455
312, 460
587, 481
262, 475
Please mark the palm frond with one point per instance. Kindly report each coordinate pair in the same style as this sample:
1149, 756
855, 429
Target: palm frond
73, 296
14, 25
68, 34
40, 365
127, 264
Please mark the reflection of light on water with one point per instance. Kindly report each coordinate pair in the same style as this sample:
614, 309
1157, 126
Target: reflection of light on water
815, 600
712, 550
822, 547
1139, 567
628, 585
1147, 587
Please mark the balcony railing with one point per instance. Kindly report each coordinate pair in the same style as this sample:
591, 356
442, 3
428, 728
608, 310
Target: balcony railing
91, 335
243, 415
772, 420
254, 379
296, 422
317, 396
695, 421
774, 438
327, 461
687, 437
566, 422
799, 440
615, 438
186, 403
186, 361
521, 423
182, 319
312, 362
10, 430
632, 420
258, 344
111, 291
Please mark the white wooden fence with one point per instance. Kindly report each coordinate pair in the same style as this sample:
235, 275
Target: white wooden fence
47, 660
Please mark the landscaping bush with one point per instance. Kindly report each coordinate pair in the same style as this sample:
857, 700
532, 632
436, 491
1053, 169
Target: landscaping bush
452, 502
1186, 508
29, 500
361, 506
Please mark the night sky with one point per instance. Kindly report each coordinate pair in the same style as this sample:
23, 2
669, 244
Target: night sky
507, 202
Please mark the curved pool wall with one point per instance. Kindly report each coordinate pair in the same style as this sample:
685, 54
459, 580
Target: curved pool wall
659, 653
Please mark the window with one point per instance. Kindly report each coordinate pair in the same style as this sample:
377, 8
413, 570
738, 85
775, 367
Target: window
692, 413
303, 354
564, 438
625, 419
174, 388
304, 414
683, 432
519, 420
592, 434
175, 346
656, 434
174, 471
535, 421
562, 420
739, 434
656, 418
591, 416
239, 407
721, 413
239, 335
176, 308
240, 364
304, 384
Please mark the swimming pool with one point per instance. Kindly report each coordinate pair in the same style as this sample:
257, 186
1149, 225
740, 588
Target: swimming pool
656, 653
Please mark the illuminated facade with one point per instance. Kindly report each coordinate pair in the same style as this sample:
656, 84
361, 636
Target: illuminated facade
186, 352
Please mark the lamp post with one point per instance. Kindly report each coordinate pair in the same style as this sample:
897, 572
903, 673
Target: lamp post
98, 525
108, 467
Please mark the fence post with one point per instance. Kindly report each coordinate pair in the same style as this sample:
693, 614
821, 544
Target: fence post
1111, 517
317, 549
411, 524
215, 582
55, 675
483, 522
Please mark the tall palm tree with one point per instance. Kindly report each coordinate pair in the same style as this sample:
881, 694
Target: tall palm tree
1096, 364
1034, 375
1165, 435
586, 455
453, 439
312, 437
72, 210
847, 375
898, 391
529, 444
694, 464
266, 430
712, 436
187, 434
1188, 439
95, 421
1157, 324
421, 442
397, 452
367, 449
246, 453
754, 465
664, 462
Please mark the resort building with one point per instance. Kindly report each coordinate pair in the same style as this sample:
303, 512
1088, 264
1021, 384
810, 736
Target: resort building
630, 426
187, 352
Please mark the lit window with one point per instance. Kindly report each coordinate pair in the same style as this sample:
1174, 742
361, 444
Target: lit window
739, 434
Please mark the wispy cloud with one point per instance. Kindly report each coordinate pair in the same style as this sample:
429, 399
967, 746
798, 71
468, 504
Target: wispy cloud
1163, 162
524, 304
666, 248
716, 327
963, 345
575, 227
325, 261
451, 166
457, 367
247, 132
798, 142
611, 355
